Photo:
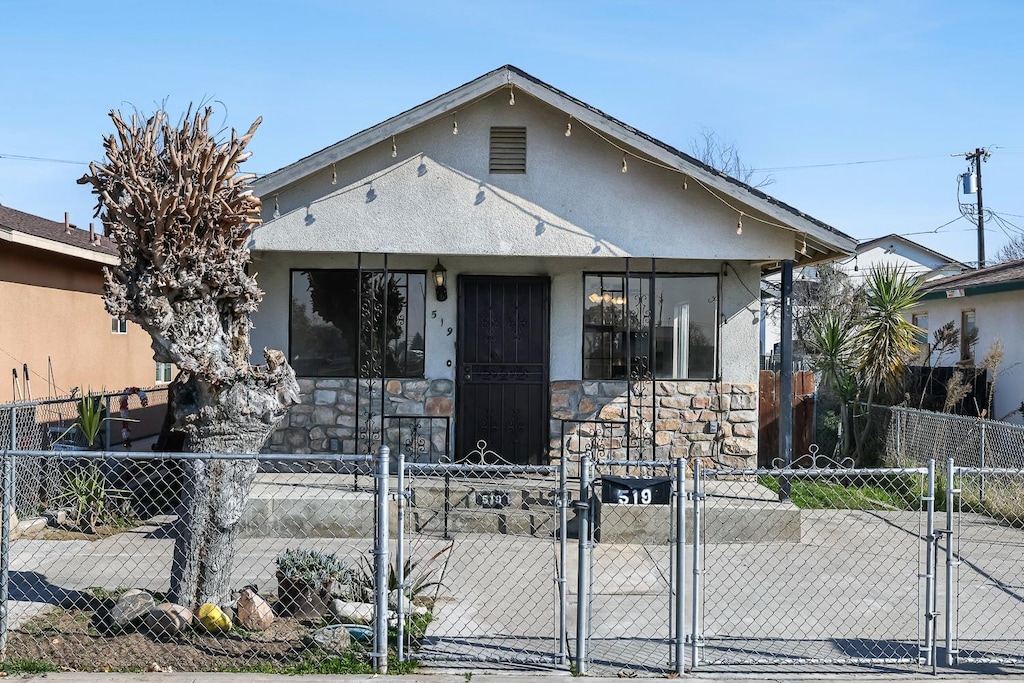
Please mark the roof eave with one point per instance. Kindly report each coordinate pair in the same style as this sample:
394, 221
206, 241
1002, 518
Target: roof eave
28, 240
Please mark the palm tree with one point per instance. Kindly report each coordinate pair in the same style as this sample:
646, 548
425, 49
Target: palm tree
886, 340
860, 355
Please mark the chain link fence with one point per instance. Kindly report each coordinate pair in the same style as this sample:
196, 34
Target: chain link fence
91, 590
52, 424
829, 574
915, 436
986, 602
479, 549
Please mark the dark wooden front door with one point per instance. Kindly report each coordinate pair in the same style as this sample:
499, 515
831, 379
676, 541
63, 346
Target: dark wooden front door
502, 391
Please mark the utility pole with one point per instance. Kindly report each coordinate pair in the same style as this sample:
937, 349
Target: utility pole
975, 158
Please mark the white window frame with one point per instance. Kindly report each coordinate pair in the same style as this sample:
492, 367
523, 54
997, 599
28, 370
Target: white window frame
164, 373
118, 325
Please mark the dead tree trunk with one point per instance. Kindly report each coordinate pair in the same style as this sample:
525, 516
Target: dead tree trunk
181, 215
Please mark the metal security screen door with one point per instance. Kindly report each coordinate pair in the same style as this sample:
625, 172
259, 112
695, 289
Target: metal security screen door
502, 390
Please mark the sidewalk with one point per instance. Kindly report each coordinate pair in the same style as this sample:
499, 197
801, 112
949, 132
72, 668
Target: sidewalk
517, 677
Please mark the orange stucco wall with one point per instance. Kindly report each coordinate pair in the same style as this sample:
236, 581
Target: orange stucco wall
51, 306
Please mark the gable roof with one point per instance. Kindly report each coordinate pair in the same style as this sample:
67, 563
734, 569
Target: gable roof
35, 231
872, 243
1002, 277
821, 241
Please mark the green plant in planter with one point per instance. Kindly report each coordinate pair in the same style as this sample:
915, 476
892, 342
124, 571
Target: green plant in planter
306, 580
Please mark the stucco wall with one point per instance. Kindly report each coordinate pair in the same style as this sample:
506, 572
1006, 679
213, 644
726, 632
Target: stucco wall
997, 316
437, 197
51, 306
739, 308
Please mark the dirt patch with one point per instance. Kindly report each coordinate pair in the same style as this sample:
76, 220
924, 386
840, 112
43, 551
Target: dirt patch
70, 640
53, 533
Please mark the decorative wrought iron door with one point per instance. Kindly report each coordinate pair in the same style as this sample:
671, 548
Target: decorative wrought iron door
502, 390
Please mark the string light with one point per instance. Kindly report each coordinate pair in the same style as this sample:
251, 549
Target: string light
334, 174
455, 126
511, 95
277, 209
625, 168
684, 183
739, 224
568, 128
394, 147
803, 244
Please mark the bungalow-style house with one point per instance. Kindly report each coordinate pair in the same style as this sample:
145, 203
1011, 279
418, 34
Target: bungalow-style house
985, 305
506, 270
891, 250
52, 318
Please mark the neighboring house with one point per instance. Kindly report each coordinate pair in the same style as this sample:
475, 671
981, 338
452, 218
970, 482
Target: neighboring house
575, 253
52, 314
890, 250
985, 305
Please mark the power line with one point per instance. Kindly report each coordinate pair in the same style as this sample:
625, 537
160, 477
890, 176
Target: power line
845, 163
20, 157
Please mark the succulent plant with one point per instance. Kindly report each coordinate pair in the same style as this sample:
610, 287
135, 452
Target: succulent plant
312, 566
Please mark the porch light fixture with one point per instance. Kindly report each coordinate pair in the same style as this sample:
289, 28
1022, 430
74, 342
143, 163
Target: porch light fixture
440, 274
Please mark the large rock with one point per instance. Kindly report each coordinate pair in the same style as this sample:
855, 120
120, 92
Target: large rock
254, 613
333, 640
132, 606
352, 612
167, 619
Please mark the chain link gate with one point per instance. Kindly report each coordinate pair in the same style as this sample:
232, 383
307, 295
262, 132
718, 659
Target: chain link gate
984, 571
477, 554
840, 573
631, 566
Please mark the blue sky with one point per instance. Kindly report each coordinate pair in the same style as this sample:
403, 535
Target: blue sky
793, 83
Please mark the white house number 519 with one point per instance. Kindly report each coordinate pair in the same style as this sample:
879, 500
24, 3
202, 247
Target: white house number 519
634, 497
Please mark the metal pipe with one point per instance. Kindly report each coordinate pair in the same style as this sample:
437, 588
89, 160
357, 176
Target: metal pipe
981, 459
680, 557
563, 555
380, 552
929, 571
786, 378
359, 360
400, 553
583, 584
5, 549
950, 476
695, 638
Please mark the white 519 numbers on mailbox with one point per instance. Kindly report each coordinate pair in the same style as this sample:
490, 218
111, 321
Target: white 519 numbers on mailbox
633, 497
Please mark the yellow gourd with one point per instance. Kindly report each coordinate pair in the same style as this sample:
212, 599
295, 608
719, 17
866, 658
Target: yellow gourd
214, 619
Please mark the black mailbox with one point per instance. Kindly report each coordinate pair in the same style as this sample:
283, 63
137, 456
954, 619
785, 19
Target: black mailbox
636, 490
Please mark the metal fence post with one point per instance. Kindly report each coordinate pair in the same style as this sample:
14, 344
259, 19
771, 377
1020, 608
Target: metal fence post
950, 477
680, 562
400, 499
5, 548
981, 459
695, 626
380, 552
929, 571
563, 556
582, 574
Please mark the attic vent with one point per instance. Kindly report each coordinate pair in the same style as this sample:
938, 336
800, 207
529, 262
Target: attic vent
508, 149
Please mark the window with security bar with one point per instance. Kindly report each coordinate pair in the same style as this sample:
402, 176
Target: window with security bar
649, 326
343, 325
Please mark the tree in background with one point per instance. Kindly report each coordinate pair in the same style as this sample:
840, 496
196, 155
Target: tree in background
864, 355
1011, 251
711, 149
181, 214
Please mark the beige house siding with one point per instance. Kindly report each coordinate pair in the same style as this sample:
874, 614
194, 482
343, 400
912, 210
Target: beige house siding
51, 307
